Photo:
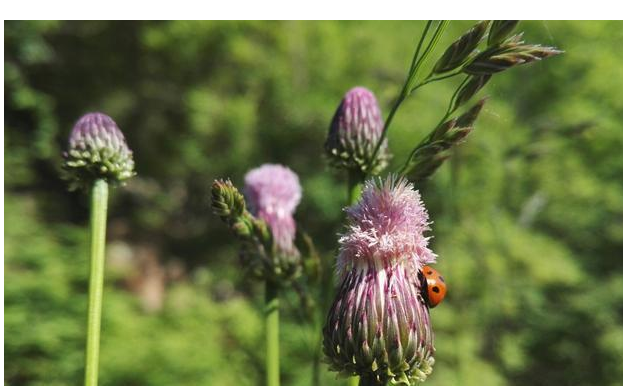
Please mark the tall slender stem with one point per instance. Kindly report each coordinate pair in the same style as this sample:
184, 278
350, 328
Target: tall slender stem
271, 316
99, 204
410, 83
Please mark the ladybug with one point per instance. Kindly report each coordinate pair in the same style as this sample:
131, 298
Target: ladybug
433, 286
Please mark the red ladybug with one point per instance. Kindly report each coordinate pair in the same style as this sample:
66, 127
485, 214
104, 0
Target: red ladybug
433, 286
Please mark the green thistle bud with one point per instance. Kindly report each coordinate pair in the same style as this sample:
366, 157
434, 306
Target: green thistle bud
227, 201
97, 150
229, 204
459, 51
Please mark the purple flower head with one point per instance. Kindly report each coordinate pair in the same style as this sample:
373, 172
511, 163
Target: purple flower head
355, 131
386, 226
97, 149
273, 192
379, 326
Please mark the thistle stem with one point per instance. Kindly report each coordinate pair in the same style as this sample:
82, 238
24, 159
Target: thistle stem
99, 204
355, 181
271, 315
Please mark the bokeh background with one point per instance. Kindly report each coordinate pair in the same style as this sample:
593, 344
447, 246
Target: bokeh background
528, 215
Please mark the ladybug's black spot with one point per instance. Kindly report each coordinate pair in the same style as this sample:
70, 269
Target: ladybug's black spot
441, 279
429, 272
436, 289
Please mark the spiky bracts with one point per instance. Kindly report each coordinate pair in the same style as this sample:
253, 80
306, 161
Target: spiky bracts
355, 131
97, 150
379, 326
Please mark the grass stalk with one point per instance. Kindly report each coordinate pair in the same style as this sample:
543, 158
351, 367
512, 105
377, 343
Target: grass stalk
99, 205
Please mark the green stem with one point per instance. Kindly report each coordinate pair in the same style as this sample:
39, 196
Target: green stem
99, 203
355, 182
271, 315
429, 49
449, 111
409, 86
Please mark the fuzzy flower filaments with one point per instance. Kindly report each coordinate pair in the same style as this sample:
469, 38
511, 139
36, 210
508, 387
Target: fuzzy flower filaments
97, 149
273, 193
379, 326
355, 131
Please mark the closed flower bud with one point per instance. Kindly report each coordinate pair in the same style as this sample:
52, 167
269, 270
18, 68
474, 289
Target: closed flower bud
379, 326
97, 150
355, 131
227, 201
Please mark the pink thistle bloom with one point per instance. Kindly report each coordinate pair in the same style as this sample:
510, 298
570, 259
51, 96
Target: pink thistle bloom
379, 325
274, 192
386, 226
355, 130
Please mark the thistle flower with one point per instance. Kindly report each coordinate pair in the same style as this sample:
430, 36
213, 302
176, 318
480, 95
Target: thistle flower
379, 326
97, 149
273, 193
355, 130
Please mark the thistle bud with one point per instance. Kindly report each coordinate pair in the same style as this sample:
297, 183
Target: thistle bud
97, 150
273, 193
379, 326
227, 201
355, 131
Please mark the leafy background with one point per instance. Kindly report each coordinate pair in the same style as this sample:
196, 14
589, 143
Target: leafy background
528, 215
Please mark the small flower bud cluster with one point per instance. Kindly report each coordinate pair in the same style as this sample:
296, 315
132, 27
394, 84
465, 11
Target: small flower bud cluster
97, 150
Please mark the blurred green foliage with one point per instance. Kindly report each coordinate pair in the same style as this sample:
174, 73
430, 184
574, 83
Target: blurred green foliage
528, 214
